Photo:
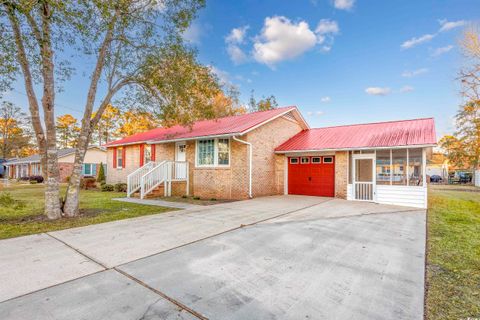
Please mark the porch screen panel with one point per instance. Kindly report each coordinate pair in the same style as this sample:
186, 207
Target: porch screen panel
206, 152
399, 164
383, 167
415, 167
363, 170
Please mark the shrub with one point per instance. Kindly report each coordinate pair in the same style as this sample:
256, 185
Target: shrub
37, 179
33, 182
67, 179
88, 183
106, 187
196, 198
120, 187
101, 174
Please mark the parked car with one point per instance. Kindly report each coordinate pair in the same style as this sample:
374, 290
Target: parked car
3, 169
436, 178
465, 177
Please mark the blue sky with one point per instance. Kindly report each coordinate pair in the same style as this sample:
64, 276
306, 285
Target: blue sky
339, 61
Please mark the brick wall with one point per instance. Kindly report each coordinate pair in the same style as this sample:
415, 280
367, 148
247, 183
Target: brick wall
132, 162
230, 182
65, 169
341, 174
268, 171
268, 168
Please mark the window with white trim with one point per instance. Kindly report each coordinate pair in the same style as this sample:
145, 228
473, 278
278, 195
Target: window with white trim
120, 157
293, 160
305, 160
316, 160
327, 160
213, 153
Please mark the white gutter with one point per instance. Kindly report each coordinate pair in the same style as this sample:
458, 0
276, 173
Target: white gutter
360, 148
250, 163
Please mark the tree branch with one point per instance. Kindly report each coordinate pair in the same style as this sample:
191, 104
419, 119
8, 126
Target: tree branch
27, 75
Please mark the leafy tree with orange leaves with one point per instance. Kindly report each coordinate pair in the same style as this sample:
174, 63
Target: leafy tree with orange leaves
67, 131
136, 121
15, 138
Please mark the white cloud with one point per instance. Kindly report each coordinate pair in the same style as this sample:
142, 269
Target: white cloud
449, 25
325, 31
406, 89
223, 76
439, 51
343, 4
414, 73
281, 39
317, 113
237, 35
325, 99
377, 91
193, 33
445, 25
416, 41
326, 26
236, 54
233, 41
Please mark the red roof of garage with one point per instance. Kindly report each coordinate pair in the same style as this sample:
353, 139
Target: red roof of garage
368, 135
222, 126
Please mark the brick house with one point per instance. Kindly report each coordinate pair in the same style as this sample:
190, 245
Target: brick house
30, 166
276, 152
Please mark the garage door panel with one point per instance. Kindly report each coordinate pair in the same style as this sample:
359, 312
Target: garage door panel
316, 179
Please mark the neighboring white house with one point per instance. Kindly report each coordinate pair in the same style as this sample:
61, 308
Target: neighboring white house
30, 166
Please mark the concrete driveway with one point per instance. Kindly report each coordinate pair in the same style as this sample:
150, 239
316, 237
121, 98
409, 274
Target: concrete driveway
285, 257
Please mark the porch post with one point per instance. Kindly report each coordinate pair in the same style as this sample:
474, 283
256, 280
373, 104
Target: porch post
188, 179
424, 166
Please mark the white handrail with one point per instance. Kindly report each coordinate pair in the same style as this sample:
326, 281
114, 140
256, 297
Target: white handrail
153, 178
133, 179
164, 172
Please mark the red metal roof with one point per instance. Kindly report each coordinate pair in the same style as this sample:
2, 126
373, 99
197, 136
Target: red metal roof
369, 135
222, 126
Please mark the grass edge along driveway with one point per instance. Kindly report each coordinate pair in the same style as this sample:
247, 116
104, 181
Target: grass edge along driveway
453, 253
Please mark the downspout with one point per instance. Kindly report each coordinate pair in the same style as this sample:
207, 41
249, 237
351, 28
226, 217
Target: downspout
250, 163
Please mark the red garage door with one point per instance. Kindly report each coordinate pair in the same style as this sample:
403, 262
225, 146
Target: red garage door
312, 176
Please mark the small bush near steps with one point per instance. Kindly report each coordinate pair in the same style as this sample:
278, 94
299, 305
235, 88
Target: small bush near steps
106, 187
120, 187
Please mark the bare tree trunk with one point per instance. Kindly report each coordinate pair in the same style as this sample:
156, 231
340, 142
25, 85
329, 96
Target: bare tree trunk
70, 207
32, 98
52, 192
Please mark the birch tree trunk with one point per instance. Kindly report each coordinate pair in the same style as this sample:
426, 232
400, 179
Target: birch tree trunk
52, 191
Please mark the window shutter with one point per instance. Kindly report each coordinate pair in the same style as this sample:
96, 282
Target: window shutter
142, 154
153, 152
124, 158
115, 157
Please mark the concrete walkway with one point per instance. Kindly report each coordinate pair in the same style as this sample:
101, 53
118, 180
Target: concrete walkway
285, 257
160, 203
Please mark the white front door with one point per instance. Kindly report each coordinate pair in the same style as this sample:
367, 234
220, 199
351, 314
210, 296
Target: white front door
364, 177
180, 160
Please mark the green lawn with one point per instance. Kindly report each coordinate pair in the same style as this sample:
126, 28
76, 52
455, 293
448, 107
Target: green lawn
25, 215
453, 255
